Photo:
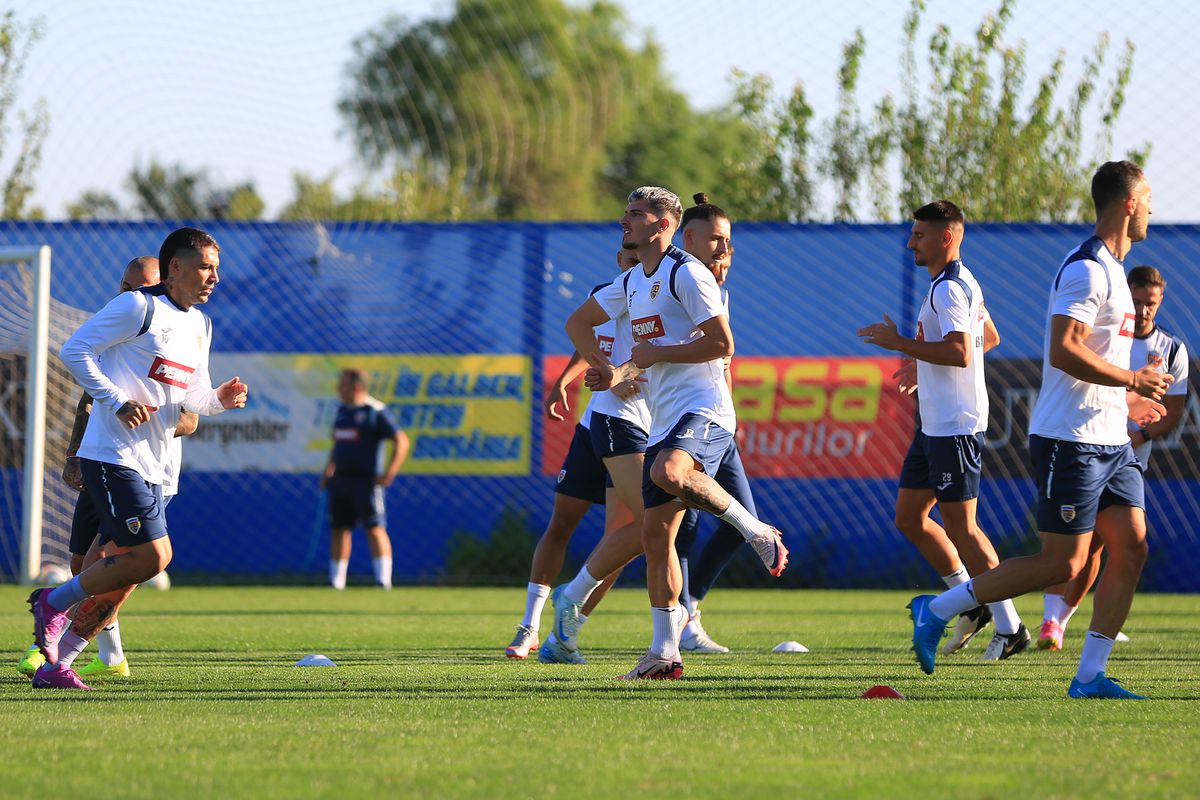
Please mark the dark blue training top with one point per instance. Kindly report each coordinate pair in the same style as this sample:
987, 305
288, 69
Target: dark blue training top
357, 432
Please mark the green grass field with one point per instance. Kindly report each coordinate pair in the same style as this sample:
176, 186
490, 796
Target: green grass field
423, 703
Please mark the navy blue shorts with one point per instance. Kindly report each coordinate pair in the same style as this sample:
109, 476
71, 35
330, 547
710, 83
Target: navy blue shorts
1077, 481
85, 524
949, 465
613, 436
131, 510
583, 474
704, 440
355, 500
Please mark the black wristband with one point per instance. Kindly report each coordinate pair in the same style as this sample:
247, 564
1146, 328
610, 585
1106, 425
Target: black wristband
1145, 432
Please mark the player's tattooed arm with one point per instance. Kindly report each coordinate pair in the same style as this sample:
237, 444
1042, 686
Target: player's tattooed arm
704, 493
71, 474
187, 424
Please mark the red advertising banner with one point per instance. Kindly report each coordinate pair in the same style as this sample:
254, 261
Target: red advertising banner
824, 417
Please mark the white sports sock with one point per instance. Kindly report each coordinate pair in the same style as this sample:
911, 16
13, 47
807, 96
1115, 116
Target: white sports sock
1053, 606
746, 523
956, 578
69, 648
1093, 660
666, 641
952, 602
382, 565
1066, 614
535, 601
108, 641
1005, 617
68, 594
337, 573
581, 586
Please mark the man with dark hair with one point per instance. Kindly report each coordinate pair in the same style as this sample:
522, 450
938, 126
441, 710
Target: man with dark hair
353, 481
682, 335
1087, 476
945, 461
155, 345
1151, 345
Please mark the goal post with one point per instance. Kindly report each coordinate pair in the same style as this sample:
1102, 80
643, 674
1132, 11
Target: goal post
36, 366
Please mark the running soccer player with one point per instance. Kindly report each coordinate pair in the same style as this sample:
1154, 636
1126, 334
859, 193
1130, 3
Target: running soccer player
155, 344
944, 463
1087, 476
682, 336
1151, 345
603, 465
353, 481
85, 520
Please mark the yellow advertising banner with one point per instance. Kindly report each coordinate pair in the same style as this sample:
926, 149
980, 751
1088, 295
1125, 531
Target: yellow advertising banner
464, 414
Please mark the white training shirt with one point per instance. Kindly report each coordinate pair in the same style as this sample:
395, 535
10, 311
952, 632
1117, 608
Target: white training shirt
665, 307
1159, 344
953, 400
143, 347
171, 470
1090, 287
615, 340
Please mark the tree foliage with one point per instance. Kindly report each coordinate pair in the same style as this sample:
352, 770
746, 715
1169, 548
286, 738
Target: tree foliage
171, 191
16, 41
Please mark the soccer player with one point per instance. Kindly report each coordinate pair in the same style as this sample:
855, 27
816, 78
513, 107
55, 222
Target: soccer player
353, 481
1151, 345
944, 463
682, 335
1087, 476
608, 465
154, 345
85, 521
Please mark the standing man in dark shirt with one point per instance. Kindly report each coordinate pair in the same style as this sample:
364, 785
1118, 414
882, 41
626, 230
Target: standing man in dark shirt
353, 480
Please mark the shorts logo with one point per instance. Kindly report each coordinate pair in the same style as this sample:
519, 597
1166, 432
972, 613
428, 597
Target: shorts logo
170, 373
648, 328
1127, 326
562, 474
690, 434
654, 289
605, 343
947, 479
134, 524
1067, 513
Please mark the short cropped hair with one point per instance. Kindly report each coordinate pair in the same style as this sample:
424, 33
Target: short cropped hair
357, 376
1141, 277
703, 210
663, 202
190, 239
1113, 182
942, 211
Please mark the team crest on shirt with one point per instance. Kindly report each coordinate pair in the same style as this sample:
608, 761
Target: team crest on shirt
1067, 513
134, 524
1153, 358
360, 417
562, 474
654, 289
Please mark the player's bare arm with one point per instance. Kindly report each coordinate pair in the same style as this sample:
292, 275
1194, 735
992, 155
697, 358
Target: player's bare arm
717, 342
558, 392
71, 474
580, 327
400, 445
953, 351
232, 393
991, 336
188, 422
1069, 352
133, 413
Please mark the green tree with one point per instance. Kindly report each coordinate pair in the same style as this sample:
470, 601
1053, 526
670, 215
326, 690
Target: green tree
534, 110
16, 41
171, 191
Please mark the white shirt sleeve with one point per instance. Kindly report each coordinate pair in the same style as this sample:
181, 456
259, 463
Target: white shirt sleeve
1082, 290
953, 308
698, 293
1178, 369
119, 321
201, 397
612, 298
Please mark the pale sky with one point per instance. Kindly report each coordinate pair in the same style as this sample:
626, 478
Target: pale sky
260, 80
